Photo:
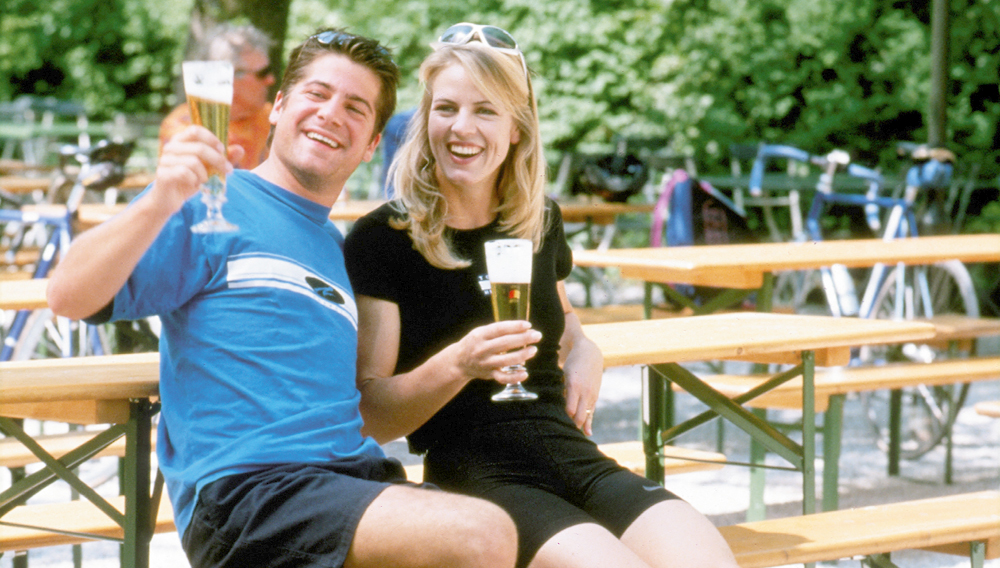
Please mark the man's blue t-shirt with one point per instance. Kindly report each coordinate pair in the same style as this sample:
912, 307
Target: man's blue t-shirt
259, 339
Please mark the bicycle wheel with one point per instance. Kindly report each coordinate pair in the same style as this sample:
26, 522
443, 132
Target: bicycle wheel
45, 335
927, 412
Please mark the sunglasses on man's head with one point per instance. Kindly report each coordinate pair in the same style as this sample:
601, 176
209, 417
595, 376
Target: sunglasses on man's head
342, 39
492, 36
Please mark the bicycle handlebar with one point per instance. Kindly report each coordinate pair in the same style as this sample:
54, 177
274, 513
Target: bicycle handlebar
767, 152
864, 173
833, 161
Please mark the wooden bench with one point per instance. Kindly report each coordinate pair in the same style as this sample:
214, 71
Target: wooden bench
78, 518
833, 384
75, 520
15, 454
989, 408
965, 524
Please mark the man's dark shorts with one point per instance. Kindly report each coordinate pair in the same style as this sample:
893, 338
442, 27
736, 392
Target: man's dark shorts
287, 515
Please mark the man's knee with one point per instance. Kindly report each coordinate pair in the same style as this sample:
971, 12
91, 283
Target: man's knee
488, 536
434, 528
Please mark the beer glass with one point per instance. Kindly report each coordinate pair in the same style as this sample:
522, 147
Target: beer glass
209, 89
508, 263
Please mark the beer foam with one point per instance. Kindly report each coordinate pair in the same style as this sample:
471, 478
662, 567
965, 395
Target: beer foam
209, 80
509, 260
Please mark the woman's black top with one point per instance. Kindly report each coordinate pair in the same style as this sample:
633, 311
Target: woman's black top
438, 307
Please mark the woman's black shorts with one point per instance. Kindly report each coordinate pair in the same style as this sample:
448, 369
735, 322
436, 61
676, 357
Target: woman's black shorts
546, 474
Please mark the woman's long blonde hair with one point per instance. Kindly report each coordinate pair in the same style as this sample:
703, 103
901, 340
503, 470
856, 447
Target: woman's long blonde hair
521, 182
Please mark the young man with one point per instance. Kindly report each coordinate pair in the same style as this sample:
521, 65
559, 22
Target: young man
260, 433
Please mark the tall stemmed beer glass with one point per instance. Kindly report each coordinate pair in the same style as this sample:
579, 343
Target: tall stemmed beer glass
508, 263
209, 89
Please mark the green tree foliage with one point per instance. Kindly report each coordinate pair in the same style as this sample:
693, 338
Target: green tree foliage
111, 55
702, 74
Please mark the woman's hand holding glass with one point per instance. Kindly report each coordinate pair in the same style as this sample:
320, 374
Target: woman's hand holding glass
487, 351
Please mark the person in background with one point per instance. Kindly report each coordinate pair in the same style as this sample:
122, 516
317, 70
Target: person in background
395, 133
431, 356
259, 437
246, 48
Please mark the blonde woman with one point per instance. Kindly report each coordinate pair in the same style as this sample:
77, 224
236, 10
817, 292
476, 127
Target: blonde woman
430, 355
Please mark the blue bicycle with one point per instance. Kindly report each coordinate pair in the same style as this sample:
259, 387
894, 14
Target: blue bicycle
84, 172
889, 292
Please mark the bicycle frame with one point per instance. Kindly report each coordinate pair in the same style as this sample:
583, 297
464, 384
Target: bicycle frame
58, 240
901, 223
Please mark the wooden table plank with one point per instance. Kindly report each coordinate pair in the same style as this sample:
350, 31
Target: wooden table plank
104, 377
743, 265
28, 184
746, 336
26, 294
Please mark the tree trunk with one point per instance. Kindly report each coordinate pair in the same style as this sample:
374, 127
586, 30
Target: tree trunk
269, 16
937, 123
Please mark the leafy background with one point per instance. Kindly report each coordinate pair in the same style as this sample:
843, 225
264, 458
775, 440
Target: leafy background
690, 77
693, 76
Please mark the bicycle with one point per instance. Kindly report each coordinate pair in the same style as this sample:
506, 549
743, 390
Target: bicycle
900, 292
83, 173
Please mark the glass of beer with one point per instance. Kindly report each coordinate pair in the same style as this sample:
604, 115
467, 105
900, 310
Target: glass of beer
508, 263
209, 89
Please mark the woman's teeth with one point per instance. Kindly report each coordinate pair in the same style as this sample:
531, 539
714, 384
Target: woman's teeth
464, 150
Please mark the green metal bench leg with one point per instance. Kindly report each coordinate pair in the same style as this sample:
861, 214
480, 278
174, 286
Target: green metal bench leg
977, 554
895, 423
833, 427
808, 432
757, 511
654, 407
879, 561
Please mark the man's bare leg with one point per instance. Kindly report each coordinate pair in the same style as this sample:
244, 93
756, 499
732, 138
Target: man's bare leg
407, 526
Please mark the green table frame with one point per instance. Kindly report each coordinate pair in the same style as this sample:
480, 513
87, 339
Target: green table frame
140, 503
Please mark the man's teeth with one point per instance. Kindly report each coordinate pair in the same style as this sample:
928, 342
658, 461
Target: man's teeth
323, 139
464, 150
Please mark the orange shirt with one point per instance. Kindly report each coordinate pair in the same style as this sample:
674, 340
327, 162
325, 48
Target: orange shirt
250, 133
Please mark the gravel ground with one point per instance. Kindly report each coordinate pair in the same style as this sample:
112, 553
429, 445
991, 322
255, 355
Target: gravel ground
720, 494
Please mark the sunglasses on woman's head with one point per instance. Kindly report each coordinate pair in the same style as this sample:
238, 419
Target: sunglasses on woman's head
491, 36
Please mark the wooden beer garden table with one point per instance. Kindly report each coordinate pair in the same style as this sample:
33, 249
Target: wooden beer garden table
799, 340
743, 268
121, 389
